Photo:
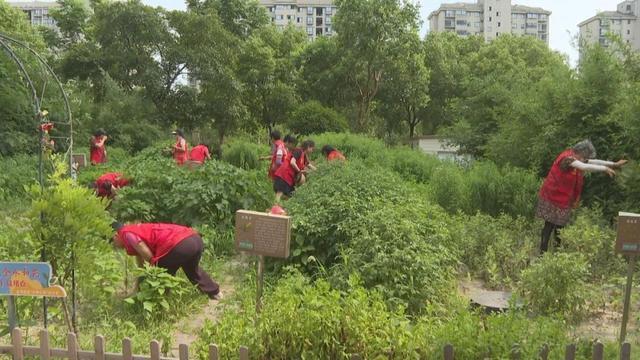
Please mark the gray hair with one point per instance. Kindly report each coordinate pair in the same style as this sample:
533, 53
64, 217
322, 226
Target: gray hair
585, 148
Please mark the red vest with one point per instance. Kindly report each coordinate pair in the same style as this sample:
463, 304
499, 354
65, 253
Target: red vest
335, 155
278, 145
159, 238
286, 172
98, 154
115, 178
199, 153
180, 155
563, 187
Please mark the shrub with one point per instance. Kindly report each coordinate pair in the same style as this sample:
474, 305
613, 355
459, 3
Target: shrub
412, 164
448, 188
592, 238
310, 320
209, 194
401, 250
555, 284
244, 154
369, 150
337, 197
312, 117
495, 249
16, 174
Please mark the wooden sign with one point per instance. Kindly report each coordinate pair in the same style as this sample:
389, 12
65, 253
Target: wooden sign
628, 239
263, 234
28, 279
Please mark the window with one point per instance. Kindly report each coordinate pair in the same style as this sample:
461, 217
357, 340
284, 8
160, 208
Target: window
309, 30
270, 8
628, 22
327, 11
299, 20
543, 16
318, 21
542, 27
318, 13
473, 14
489, 18
328, 20
450, 13
543, 37
628, 7
318, 31
498, 23
628, 32
461, 13
309, 20
449, 23
279, 17
532, 16
461, 23
490, 8
309, 11
327, 30
532, 26
514, 26
497, 34
288, 17
462, 32
497, 13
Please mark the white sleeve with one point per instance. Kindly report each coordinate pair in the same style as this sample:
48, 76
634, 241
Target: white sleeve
601, 162
588, 167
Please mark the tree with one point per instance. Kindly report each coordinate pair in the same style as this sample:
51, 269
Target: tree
266, 67
313, 118
405, 93
240, 17
71, 17
371, 34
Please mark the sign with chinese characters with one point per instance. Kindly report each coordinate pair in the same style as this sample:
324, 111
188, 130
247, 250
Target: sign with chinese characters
263, 234
28, 279
628, 239
79, 161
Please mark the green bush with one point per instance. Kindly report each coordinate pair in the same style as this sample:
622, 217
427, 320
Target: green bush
312, 117
366, 149
244, 154
591, 237
16, 174
402, 250
310, 320
448, 188
495, 249
209, 194
556, 284
411, 164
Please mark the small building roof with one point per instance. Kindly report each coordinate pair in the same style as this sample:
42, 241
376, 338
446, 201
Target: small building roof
529, 9
456, 6
609, 15
33, 4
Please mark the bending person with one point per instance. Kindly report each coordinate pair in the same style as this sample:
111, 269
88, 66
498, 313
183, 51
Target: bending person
291, 172
561, 190
330, 153
168, 246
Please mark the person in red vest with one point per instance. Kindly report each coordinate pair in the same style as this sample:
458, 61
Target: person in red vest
180, 149
108, 184
98, 152
561, 190
291, 172
332, 154
279, 152
168, 246
199, 154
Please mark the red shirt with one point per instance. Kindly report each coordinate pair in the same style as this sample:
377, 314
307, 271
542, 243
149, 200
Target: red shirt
286, 172
180, 153
98, 153
159, 238
278, 146
115, 178
199, 154
563, 185
335, 155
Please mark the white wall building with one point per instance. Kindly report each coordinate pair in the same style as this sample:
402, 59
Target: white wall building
37, 12
622, 22
314, 17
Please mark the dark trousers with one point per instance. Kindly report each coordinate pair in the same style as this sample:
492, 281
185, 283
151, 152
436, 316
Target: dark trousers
186, 256
549, 228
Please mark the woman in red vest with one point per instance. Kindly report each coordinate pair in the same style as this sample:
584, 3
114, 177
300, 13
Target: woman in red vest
561, 190
291, 172
199, 154
107, 185
332, 154
98, 150
180, 149
279, 152
168, 246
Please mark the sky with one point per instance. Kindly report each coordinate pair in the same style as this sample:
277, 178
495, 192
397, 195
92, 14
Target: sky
565, 16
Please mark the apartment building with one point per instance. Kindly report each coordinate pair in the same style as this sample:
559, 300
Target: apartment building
622, 22
37, 12
315, 17
490, 19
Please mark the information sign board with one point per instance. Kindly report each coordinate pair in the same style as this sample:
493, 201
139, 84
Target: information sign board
28, 279
628, 239
263, 234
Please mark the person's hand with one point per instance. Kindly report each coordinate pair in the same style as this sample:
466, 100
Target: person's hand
611, 172
620, 163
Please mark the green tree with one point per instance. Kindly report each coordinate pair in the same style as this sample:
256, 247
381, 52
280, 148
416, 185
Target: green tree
313, 118
370, 35
240, 17
72, 17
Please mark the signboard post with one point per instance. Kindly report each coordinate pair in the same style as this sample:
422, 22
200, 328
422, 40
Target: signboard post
628, 243
26, 279
262, 234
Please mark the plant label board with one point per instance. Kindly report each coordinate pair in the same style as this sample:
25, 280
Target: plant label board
79, 160
28, 279
263, 234
628, 239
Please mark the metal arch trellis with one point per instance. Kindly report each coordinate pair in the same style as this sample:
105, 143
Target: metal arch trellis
7, 44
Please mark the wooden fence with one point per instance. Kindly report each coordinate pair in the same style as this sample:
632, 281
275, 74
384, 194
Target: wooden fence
73, 351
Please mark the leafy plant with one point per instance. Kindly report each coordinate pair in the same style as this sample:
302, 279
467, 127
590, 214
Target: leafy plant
314, 118
159, 292
244, 154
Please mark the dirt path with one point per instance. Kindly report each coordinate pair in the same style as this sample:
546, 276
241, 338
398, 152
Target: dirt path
187, 330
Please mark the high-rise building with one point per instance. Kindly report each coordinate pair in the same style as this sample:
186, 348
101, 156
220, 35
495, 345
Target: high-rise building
490, 19
37, 12
623, 22
315, 17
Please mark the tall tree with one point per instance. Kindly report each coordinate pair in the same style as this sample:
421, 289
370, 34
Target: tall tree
371, 34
